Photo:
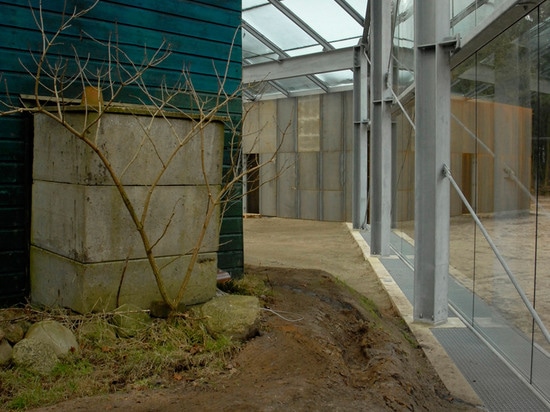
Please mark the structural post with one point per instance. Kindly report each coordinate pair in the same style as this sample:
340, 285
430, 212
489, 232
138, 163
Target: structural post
381, 129
360, 137
432, 152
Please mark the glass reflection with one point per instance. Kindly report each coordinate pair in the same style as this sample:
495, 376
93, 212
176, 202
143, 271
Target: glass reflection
500, 158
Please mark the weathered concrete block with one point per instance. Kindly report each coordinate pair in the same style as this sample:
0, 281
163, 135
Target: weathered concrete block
82, 233
91, 223
309, 204
58, 281
136, 146
333, 205
309, 124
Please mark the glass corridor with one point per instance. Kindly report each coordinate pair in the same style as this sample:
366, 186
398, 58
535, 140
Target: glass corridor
500, 158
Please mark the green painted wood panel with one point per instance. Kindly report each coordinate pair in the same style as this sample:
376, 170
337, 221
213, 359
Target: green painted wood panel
204, 38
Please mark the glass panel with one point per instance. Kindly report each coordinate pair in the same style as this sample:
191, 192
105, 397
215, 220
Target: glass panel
500, 158
504, 123
339, 78
253, 48
354, 41
466, 153
327, 18
317, 48
403, 44
402, 238
278, 28
541, 182
359, 5
262, 90
467, 14
253, 3
298, 84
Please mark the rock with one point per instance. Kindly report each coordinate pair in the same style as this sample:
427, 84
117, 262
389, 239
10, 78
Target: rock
98, 330
34, 355
234, 316
129, 320
53, 333
5, 352
13, 332
2, 334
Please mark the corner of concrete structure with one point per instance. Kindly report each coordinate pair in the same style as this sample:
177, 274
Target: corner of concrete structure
449, 373
57, 281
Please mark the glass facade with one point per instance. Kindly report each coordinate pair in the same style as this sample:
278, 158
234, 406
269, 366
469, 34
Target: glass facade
500, 129
500, 158
403, 127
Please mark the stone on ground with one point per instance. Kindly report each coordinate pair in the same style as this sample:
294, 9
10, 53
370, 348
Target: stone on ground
53, 333
234, 316
13, 332
35, 355
129, 320
5, 352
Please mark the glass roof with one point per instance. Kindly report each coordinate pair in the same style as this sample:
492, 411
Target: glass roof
298, 47
279, 30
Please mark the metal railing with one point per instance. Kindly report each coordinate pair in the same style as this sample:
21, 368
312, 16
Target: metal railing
447, 173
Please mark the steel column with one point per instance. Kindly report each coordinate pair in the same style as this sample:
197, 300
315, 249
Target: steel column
360, 137
381, 130
432, 152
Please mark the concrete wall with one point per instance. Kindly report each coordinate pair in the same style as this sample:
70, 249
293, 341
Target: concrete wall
312, 137
81, 232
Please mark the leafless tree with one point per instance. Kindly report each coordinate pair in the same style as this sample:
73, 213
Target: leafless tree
55, 79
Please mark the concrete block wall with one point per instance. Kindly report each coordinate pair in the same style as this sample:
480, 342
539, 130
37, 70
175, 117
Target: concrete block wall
84, 248
313, 137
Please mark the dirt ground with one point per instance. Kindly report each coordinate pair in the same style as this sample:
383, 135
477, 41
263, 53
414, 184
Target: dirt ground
329, 350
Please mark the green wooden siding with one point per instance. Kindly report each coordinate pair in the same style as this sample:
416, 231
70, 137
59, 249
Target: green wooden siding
204, 38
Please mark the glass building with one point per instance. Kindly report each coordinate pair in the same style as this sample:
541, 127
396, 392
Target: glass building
427, 125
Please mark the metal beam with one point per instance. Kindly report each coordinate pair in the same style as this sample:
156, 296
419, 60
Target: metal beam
360, 138
381, 128
323, 62
351, 11
264, 40
301, 24
432, 153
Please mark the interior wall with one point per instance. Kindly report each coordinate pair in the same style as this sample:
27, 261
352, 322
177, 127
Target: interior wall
310, 141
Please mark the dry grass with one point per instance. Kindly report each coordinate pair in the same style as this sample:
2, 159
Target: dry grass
167, 352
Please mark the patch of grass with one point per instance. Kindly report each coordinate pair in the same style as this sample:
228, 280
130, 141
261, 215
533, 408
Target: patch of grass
249, 284
408, 335
369, 306
163, 354
22, 389
365, 303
